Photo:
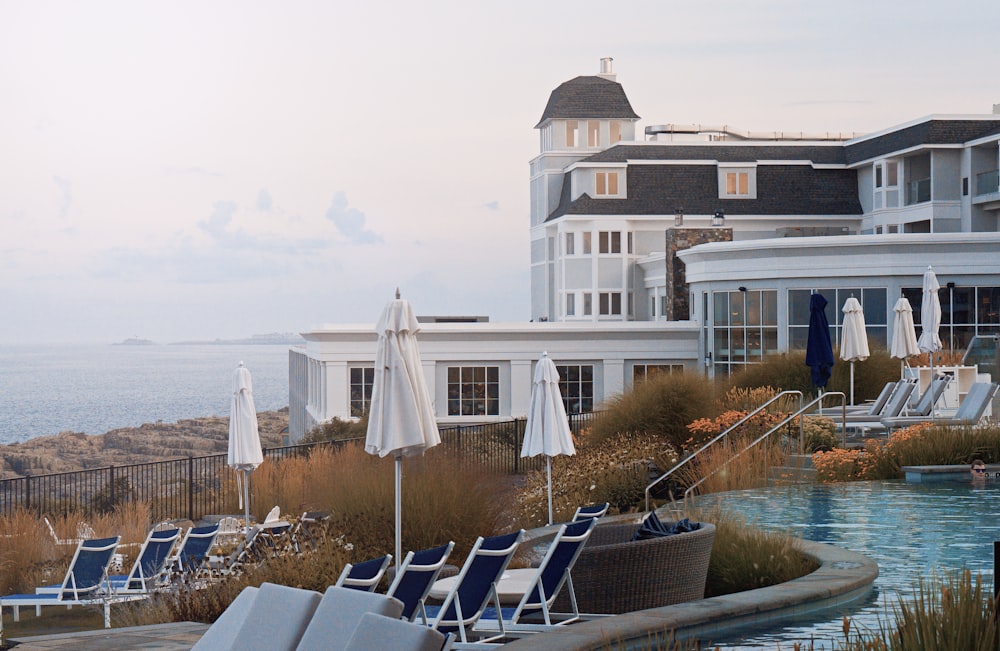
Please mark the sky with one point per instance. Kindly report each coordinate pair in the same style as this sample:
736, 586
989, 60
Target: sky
191, 170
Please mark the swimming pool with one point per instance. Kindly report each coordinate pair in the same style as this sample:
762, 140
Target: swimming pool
909, 529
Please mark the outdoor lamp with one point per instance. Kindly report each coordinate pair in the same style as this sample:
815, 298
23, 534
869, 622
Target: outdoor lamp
708, 359
719, 219
679, 216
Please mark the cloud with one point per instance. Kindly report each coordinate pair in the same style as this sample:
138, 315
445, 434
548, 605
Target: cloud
264, 203
492, 205
350, 221
221, 217
66, 190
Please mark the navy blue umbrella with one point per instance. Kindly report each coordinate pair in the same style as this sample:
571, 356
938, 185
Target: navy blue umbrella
819, 348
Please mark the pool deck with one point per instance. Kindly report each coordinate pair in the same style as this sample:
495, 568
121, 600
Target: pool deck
843, 577
179, 636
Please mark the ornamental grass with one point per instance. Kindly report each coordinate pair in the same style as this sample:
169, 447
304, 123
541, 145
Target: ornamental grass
917, 445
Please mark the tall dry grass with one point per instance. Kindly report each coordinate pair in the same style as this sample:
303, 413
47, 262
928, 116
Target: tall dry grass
662, 405
441, 500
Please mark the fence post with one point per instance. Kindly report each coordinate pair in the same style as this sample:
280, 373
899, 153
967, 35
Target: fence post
27, 492
111, 479
190, 488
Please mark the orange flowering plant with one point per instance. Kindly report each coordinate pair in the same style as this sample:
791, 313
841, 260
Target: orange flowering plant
877, 460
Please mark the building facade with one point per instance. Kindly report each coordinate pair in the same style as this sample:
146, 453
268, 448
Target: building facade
698, 247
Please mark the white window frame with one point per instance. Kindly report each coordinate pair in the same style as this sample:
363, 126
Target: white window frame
607, 184
570, 244
725, 172
609, 242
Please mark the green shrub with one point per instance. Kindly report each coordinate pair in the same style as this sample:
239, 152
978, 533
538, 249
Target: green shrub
662, 405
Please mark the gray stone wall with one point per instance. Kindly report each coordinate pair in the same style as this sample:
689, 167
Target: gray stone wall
679, 239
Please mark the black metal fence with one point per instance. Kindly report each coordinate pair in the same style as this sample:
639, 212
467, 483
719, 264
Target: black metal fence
191, 487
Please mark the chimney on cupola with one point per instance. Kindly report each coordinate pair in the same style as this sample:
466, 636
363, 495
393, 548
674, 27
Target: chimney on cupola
606, 70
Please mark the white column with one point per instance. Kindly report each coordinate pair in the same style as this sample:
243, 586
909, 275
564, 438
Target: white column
520, 387
614, 379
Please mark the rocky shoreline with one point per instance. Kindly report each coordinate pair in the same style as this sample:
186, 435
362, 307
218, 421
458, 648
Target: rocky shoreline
69, 451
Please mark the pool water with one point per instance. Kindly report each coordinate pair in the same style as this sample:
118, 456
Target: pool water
911, 530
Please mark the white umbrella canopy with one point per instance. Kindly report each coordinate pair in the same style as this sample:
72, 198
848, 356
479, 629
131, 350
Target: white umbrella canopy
904, 336
547, 428
930, 316
401, 415
854, 338
245, 453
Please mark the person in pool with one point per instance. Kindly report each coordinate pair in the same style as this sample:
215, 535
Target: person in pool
978, 470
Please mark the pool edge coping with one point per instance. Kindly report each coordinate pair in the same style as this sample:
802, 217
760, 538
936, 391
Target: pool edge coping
843, 577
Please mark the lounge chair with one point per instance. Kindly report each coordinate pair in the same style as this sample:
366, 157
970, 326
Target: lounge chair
56, 538
415, 577
970, 412
924, 406
308, 528
552, 575
378, 632
149, 568
192, 553
475, 585
271, 618
364, 576
592, 511
894, 407
338, 615
873, 409
230, 529
84, 583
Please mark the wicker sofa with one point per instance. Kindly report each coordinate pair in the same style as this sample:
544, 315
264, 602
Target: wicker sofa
615, 574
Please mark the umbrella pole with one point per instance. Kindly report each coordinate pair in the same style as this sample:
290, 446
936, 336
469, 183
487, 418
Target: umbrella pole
399, 504
852, 384
246, 502
548, 471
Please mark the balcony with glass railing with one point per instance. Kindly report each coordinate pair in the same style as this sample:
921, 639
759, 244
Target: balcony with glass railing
918, 191
988, 182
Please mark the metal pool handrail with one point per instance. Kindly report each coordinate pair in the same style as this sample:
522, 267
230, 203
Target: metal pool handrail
718, 438
800, 412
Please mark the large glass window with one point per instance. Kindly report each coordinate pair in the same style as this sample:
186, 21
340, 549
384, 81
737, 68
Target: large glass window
965, 313
576, 383
745, 327
643, 372
473, 391
873, 303
361, 390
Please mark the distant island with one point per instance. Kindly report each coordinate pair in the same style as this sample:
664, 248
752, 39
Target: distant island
269, 339
135, 341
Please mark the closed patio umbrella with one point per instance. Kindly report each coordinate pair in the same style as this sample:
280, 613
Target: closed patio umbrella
854, 338
547, 429
245, 453
819, 347
401, 418
904, 336
930, 317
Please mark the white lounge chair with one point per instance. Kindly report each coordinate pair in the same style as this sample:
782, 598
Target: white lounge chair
970, 412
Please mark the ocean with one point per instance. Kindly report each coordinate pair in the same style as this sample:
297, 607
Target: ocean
97, 388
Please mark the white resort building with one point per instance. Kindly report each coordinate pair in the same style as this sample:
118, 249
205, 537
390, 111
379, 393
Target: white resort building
695, 247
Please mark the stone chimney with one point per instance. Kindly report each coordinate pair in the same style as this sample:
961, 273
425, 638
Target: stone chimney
606, 70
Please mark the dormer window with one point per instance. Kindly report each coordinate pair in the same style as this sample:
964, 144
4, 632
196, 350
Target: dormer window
737, 181
606, 184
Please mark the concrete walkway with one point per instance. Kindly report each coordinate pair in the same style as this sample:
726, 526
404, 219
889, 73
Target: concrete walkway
157, 637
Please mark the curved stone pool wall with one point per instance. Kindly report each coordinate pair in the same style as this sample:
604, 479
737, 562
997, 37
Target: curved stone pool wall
842, 578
